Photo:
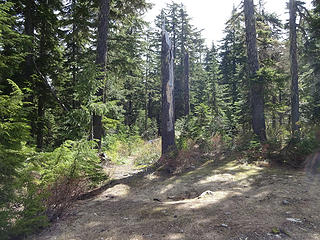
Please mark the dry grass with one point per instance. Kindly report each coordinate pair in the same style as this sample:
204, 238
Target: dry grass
245, 202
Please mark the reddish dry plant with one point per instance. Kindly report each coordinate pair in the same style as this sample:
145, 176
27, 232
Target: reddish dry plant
61, 196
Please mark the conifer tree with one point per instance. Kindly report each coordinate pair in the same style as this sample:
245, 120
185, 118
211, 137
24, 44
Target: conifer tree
256, 86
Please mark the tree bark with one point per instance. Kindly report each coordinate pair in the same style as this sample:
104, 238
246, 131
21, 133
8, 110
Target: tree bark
97, 129
40, 121
40, 88
167, 115
294, 69
256, 86
29, 68
186, 70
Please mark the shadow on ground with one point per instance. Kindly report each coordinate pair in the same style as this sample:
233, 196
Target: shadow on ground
219, 199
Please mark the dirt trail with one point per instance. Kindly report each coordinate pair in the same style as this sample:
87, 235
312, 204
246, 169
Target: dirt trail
215, 200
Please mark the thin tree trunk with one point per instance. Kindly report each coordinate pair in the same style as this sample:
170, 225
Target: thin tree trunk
40, 121
274, 121
281, 114
167, 114
97, 129
294, 70
146, 93
41, 91
316, 94
29, 68
256, 86
146, 103
186, 85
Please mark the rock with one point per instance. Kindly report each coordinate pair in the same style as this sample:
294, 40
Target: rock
295, 220
224, 225
227, 213
206, 194
285, 202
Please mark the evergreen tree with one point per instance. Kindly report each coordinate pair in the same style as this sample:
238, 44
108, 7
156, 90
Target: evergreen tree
256, 86
294, 69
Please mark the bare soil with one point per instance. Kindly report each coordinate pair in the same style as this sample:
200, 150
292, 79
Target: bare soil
216, 199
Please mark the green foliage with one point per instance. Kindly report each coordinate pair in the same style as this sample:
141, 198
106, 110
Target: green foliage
120, 145
11, 41
27, 177
201, 127
148, 153
14, 132
73, 160
308, 142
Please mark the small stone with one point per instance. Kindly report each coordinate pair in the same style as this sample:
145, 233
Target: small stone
224, 225
227, 213
175, 216
285, 202
295, 220
206, 194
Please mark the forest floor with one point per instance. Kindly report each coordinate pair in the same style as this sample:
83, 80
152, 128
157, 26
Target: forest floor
217, 198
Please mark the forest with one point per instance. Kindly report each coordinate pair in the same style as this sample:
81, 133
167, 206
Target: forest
142, 131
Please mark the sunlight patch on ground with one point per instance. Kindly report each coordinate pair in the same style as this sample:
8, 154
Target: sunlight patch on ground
136, 238
198, 203
166, 188
119, 190
175, 236
214, 178
151, 177
93, 224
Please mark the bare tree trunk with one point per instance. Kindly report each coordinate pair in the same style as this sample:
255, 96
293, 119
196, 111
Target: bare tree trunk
41, 91
29, 67
316, 95
146, 91
186, 85
294, 70
146, 103
167, 114
40, 121
274, 120
97, 130
280, 114
256, 86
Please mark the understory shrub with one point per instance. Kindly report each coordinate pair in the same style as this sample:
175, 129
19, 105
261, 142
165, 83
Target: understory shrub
202, 128
148, 153
66, 173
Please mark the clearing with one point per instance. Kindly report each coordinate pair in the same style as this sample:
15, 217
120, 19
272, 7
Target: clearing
217, 198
